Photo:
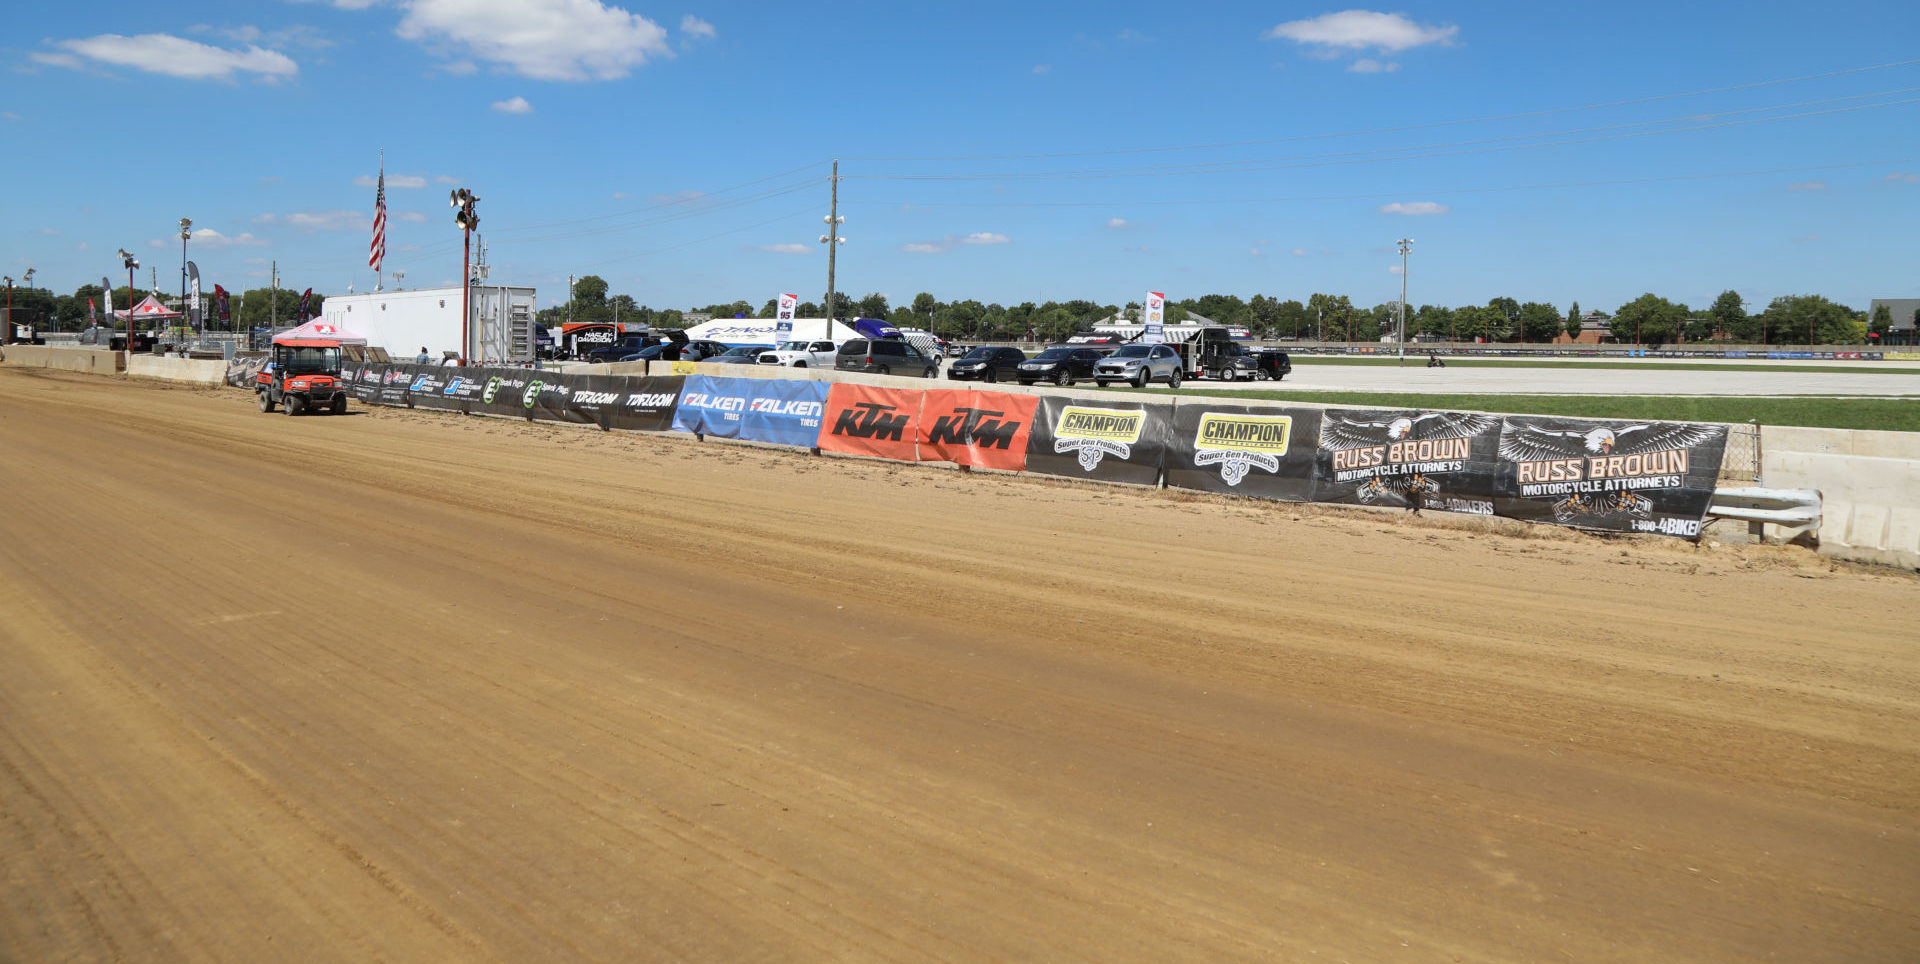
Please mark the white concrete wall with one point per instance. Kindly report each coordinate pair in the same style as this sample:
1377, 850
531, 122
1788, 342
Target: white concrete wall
193, 371
92, 361
1869, 483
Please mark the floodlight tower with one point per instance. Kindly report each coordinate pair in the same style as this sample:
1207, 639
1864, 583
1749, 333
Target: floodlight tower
1406, 245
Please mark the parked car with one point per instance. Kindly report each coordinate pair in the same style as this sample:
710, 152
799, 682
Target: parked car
801, 354
987, 364
1229, 362
702, 349
739, 355
1272, 363
1061, 366
884, 356
649, 353
1139, 365
617, 350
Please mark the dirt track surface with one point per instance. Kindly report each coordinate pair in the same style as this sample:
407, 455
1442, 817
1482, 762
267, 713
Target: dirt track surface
407, 686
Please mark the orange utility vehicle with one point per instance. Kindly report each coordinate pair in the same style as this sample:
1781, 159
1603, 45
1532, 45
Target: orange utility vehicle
304, 376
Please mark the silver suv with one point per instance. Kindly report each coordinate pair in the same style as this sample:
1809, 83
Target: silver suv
1140, 364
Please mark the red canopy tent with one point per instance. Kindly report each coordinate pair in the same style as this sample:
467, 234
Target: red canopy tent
149, 309
318, 330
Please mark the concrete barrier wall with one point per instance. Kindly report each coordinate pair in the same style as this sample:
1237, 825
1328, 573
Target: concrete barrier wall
1869, 483
193, 371
92, 361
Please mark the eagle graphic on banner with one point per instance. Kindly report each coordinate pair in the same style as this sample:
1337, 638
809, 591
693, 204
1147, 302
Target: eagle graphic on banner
1530, 441
1338, 432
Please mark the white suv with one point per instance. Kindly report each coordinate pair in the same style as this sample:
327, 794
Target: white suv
801, 354
1139, 364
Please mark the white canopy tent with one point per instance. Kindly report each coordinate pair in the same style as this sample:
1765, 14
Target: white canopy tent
760, 331
319, 330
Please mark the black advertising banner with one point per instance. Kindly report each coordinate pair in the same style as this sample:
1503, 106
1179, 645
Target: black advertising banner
1412, 459
366, 383
1110, 441
643, 404
504, 391
394, 380
427, 385
550, 394
1267, 453
1655, 477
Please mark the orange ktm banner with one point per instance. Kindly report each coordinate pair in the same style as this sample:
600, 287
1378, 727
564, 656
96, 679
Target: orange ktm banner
969, 427
866, 420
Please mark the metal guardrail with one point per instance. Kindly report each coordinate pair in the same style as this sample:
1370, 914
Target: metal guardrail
1757, 507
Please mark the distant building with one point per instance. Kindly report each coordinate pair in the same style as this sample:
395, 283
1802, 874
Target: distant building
1902, 310
1596, 327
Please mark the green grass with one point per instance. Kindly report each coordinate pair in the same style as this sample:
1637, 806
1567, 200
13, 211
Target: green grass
1878, 414
1876, 368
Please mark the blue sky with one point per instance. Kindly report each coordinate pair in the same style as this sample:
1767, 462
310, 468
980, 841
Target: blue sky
1007, 152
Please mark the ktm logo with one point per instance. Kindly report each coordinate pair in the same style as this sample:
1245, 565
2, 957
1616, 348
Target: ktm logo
870, 420
975, 426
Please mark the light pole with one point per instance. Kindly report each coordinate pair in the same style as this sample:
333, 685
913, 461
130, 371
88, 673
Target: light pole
8, 339
29, 279
398, 276
832, 240
133, 264
463, 201
186, 231
1406, 245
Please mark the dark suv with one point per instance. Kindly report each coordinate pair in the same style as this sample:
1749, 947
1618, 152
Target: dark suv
987, 364
1061, 366
884, 356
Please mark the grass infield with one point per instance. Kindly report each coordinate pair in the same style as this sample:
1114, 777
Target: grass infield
1877, 414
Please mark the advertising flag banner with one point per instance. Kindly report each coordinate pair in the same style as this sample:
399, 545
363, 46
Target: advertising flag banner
220, 303
106, 301
1154, 314
1622, 476
1110, 441
1411, 459
90, 314
193, 293
867, 420
776, 411
506, 391
783, 331
305, 300
1263, 452
975, 428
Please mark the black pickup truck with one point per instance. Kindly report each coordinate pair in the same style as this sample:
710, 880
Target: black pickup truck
1231, 361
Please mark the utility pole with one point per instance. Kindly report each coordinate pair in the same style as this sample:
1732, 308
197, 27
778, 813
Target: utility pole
570, 283
273, 301
1406, 244
832, 240
186, 231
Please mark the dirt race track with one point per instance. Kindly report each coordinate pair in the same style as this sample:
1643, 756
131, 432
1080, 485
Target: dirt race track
415, 687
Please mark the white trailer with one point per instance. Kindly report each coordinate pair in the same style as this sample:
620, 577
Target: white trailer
403, 322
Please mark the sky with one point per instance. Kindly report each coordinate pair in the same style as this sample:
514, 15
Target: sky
1007, 152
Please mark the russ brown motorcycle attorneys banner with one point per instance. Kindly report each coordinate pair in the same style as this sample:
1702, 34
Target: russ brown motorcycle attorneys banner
1242, 450
1110, 441
1622, 476
1411, 459
976, 428
868, 420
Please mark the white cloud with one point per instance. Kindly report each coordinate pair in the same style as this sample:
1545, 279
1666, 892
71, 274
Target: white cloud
160, 53
693, 26
10, 115
1363, 30
621, 195
1118, 223
56, 59
1803, 239
1256, 252
345, 4
1904, 176
1394, 269
1041, 68
516, 105
1298, 252
951, 241
786, 248
214, 239
49, 230
327, 220
1414, 208
1807, 186
678, 197
297, 35
82, 246
541, 39
411, 217
445, 179
408, 181
1368, 65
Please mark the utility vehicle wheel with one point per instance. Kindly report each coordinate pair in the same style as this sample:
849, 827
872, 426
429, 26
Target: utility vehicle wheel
266, 402
296, 405
339, 405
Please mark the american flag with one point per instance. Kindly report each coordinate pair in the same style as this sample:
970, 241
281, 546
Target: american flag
377, 253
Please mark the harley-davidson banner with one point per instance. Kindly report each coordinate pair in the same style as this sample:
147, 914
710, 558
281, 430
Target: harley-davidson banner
976, 428
1268, 453
1110, 441
1623, 476
868, 420
1412, 459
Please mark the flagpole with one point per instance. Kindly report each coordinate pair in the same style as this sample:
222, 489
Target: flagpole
380, 199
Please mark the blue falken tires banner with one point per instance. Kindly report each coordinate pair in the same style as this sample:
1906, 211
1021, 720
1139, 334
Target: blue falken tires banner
776, 411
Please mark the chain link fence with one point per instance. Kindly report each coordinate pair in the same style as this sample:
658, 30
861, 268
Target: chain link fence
1741, 465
